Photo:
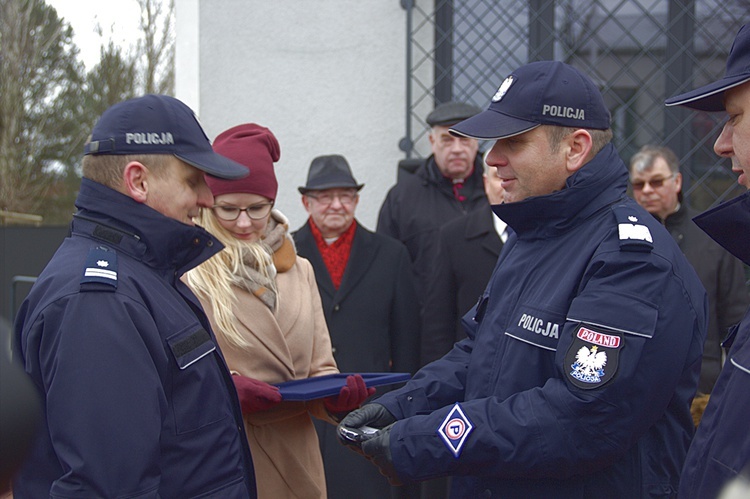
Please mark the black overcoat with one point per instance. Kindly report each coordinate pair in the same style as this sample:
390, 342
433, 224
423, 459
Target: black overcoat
468, 248
418, 205
374, 323
723, 276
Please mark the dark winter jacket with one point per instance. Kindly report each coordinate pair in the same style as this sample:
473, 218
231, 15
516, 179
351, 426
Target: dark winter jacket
723, 276
418, 205
581, 359
138, 401
721, 448
373, 319
468, 248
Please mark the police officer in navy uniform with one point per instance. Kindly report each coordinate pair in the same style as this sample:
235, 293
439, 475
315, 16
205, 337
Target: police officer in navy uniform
584, 351
719, 456
137, 400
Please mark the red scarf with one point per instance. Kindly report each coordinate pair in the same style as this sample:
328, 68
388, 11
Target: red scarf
336, 255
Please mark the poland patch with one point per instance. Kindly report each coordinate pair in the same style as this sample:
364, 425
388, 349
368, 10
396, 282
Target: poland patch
593, 357
454, 430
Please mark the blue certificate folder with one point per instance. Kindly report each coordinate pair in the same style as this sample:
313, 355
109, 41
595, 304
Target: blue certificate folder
331, 384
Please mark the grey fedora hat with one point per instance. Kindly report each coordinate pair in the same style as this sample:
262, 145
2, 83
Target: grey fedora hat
329, 172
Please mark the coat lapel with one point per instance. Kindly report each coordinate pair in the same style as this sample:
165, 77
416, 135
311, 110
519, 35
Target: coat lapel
362, 255
258, 320
360, 259
480, 225
305, 241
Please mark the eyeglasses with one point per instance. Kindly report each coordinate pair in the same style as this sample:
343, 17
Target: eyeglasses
327, 197
655, 183
230, 213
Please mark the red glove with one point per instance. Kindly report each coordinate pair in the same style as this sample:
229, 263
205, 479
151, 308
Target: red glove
255, 395
350, 397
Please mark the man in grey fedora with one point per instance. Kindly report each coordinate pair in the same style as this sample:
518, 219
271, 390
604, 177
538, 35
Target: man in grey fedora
369, 300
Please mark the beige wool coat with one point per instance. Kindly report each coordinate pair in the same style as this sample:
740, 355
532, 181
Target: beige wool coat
292, 343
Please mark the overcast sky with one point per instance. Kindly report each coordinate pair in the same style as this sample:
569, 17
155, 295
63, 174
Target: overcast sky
117, 18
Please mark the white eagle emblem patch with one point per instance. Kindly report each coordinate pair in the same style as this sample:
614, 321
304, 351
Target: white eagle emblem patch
503, 89
589, 365
593, 356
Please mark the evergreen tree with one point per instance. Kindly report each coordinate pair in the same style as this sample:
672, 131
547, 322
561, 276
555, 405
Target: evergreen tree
49, 104
40, 81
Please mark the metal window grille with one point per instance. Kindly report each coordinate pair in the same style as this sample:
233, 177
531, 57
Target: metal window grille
639, 52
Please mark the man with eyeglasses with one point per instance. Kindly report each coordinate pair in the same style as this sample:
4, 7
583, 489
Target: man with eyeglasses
720, 453
369, 302
657, 186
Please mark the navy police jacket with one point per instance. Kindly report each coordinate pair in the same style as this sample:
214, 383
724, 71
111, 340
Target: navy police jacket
581, 359
418, 205
721, 448
138, 401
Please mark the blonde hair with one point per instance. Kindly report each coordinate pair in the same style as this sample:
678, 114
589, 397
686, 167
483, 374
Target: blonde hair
212, 280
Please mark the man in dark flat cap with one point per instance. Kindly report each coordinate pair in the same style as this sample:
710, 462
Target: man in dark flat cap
369, 302
446, 186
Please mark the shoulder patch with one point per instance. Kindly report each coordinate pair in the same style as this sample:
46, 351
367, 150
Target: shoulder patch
591, 360
455, 429
190, 347
100, 268
634, 235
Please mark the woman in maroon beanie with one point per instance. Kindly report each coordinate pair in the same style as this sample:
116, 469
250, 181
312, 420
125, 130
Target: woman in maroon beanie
264, 306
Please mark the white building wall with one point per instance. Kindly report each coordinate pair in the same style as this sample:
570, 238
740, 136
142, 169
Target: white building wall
326, 76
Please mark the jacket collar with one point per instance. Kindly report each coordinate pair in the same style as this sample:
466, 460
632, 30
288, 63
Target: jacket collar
598, 184
480, 223
307, 246
729, 225
480, 228
430, 173
677, 217
363, 254
140, 231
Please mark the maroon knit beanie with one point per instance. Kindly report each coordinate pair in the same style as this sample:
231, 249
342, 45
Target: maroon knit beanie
255, 147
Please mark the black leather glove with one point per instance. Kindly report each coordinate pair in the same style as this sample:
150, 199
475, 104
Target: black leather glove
378, 450
371, 416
